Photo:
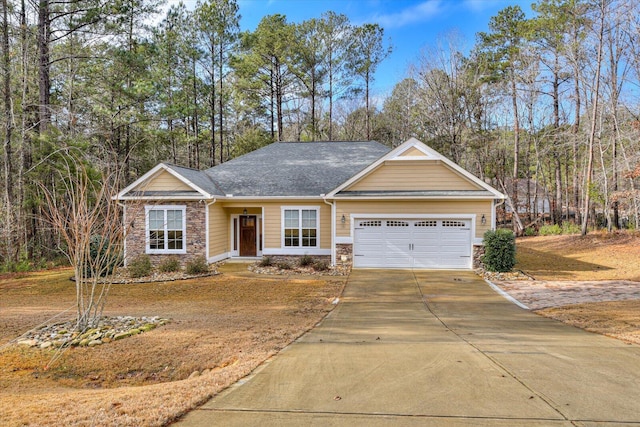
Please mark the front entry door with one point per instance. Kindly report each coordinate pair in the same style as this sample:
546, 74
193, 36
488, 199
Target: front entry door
248, 235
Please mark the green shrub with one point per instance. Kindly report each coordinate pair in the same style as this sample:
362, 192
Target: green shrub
283, 265
305, 261
320, 266
550, 230
169, 265
499, 250
104, 258
570, 228
266, 262
140, 266
529, 231
197, 265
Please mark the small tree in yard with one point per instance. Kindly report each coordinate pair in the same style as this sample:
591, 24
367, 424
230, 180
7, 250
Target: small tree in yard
499, 250
90, 229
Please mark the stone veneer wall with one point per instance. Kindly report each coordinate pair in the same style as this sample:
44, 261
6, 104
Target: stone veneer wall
196, 229
478, 253
346, 250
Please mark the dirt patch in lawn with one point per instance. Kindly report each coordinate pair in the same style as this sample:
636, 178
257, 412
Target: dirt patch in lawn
596, 256
221, 328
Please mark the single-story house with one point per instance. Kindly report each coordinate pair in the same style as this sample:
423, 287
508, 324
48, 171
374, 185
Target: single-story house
359, 202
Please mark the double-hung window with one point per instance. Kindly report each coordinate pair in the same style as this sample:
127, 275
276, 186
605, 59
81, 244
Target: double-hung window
300, 227
166, 229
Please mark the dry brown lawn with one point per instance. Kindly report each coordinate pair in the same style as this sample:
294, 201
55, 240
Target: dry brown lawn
597, 256
222, 326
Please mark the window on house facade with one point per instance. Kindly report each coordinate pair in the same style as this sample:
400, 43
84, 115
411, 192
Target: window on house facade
166, 229
300, 227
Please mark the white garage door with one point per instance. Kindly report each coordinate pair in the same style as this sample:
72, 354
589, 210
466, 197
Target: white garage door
412, 243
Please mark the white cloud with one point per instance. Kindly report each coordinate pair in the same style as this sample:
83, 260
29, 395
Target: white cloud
411, 15
480, 5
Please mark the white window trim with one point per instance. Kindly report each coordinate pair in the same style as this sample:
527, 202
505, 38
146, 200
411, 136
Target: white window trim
296, 249
149, 208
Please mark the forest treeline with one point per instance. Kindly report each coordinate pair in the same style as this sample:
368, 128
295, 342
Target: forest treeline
540, 106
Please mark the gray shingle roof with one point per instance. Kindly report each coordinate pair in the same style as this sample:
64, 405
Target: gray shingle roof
292, 168
198, 178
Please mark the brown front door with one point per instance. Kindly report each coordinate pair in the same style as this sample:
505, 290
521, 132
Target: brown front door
248, 235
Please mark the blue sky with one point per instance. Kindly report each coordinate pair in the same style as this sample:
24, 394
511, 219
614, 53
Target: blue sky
409, 24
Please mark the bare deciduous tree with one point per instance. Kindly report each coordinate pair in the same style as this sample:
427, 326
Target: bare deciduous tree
83, 211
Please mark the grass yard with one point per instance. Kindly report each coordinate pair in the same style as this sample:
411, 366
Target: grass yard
572, 260
222, 328
596, 256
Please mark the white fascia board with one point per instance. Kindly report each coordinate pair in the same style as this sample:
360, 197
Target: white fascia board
364, 198
143, 178
463, 172
150, 174
272, 198
165, 198
391, 154
189, 183
431, 156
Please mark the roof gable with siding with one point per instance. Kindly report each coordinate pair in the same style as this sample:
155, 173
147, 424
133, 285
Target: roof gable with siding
415, 175
163, 181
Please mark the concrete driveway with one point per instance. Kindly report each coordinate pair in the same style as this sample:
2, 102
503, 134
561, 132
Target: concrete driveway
427, 348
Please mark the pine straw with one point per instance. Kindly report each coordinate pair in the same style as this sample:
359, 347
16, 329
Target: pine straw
222, 326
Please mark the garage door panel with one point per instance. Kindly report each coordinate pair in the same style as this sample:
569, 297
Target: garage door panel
414, 243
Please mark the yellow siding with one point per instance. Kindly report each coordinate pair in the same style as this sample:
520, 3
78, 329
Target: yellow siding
471, 207
164, 182
218, 230
273, 219
411, 176
413, 152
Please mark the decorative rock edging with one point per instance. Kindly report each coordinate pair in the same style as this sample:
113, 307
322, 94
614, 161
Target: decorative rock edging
109, 329
123, 279
338, 270
161, 277
496, 276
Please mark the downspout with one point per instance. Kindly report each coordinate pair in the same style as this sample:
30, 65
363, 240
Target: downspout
333, 230
494, 205
206, 227
124, 231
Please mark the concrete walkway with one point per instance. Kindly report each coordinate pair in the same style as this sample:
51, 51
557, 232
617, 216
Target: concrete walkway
432, 348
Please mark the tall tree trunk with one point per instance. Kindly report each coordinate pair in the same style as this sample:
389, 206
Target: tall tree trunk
44, 81
272, 100
279, 88
221, 103
516, 151
8, 117
367, 114
195, 123
330, 99
594, 115
557, 211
